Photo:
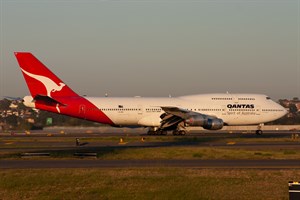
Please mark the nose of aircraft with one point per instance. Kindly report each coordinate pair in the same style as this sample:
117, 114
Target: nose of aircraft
283, 112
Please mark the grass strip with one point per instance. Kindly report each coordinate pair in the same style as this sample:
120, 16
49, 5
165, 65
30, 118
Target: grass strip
149, 183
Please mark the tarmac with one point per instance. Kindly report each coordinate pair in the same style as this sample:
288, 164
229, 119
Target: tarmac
53, 141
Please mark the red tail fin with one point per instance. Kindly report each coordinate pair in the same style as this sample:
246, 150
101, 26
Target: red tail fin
40, 80
51, 94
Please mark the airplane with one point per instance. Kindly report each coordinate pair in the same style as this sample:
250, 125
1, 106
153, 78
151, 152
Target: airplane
160, 115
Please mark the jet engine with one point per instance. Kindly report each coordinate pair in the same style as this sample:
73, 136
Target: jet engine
213, 124
197, 120
205, 122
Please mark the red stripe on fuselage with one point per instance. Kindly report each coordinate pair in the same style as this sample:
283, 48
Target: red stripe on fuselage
76, 107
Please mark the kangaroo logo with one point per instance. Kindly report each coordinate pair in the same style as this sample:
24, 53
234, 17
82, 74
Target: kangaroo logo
50, 85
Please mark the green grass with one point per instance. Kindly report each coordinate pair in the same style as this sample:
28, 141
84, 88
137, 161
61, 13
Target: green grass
167, 147
145, 183
197, 153
157, 153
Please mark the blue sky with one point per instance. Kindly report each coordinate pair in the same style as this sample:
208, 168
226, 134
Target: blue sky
155, 48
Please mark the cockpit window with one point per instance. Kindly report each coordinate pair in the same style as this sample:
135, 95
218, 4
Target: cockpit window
268, 98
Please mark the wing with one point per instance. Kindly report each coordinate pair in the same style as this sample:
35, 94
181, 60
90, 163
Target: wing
174, 116
179, 112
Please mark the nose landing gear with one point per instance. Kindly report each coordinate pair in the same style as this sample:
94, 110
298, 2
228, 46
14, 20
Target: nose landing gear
259, 131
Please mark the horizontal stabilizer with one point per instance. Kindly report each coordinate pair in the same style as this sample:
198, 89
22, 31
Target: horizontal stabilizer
43, 99
13, 98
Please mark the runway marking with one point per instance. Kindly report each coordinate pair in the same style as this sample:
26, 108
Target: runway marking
8, 143
230, 143
122, 141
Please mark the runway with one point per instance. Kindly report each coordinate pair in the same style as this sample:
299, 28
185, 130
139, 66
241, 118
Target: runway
41, 141
226, 164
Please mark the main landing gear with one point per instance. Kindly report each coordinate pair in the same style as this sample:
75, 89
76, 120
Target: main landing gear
156, 131
179, 132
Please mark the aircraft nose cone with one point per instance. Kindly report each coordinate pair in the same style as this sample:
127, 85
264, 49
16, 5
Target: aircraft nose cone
283, 112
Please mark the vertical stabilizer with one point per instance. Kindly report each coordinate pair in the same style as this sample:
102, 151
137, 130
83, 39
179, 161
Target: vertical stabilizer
40, 80
50, 93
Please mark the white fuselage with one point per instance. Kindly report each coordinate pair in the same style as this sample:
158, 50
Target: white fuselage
233, 109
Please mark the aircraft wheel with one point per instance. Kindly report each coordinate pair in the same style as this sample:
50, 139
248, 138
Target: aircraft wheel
259, 132
175, 132
163, 132
151, 133
179, 132
182, 132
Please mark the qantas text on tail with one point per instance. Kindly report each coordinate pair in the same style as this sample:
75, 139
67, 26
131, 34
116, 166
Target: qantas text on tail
210, 111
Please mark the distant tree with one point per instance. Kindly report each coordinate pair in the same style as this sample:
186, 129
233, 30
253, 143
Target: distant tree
293, 108
12, 120
4, 104
286, 120
21, 106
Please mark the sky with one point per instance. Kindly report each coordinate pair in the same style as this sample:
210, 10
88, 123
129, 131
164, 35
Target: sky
155, 48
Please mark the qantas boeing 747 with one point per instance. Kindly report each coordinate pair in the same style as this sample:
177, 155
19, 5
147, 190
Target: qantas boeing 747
210, 111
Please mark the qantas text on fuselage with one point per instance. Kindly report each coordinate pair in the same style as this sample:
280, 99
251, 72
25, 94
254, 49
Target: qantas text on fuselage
240, 106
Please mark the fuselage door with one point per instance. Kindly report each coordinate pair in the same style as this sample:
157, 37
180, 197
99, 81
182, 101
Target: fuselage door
257, 110
140, 109
224, 110
235, 99
120, 109
82, 110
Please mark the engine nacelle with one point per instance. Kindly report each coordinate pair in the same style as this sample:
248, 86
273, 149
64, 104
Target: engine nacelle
214, 124
205, 122
198, 120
